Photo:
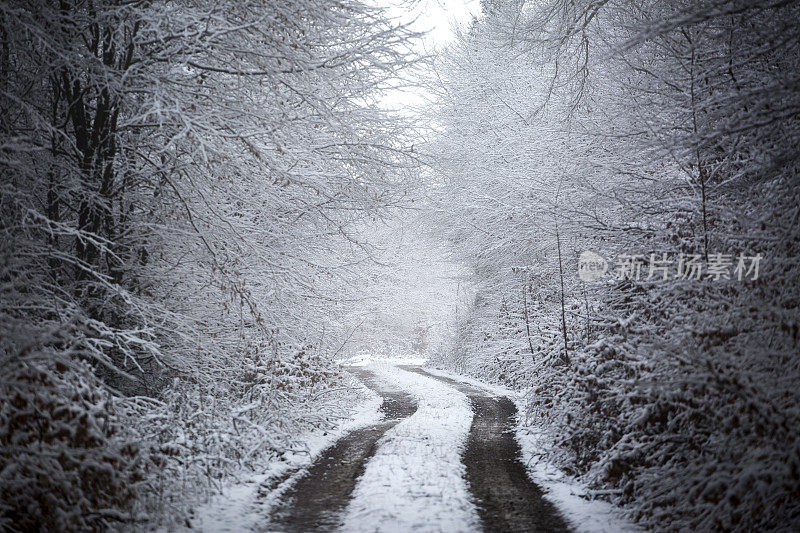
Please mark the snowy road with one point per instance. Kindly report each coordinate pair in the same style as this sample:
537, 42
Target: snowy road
443, 459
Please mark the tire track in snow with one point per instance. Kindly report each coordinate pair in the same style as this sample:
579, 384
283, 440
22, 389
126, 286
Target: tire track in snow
315, 501
506, 498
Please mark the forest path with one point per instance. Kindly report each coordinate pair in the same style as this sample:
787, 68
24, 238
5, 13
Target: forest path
315, 501
416, 465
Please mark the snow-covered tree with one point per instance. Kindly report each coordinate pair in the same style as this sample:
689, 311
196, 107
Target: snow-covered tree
180, 183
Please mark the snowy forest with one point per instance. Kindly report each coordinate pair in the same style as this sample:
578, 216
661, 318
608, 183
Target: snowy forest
389, 266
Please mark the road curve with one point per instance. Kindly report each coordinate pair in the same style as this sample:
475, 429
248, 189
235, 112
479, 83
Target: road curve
315, 501
506, 498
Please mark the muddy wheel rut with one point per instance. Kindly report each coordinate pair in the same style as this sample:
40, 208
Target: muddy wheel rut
316, 500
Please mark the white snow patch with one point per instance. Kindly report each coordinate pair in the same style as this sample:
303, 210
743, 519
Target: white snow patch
415, 480
572, 498
365, 359
237, 508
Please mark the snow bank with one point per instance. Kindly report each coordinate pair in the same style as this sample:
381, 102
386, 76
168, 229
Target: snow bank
415, 480
572, 498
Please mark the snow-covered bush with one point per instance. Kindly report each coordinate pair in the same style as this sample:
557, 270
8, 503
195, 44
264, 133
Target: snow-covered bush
67, 460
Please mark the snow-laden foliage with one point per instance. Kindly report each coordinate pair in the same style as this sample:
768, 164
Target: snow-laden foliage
630, 128
67, 459
179, 185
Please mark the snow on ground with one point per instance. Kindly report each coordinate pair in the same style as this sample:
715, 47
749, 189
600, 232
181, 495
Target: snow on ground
365, 359
415, 480
572, 498
237, 507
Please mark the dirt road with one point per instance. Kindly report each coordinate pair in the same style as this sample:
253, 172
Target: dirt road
505, 498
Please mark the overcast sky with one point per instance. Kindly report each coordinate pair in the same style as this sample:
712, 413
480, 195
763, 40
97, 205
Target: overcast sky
437, 18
